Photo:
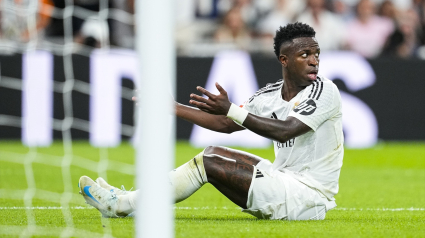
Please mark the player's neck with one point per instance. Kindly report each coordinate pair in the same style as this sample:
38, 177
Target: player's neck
289, 90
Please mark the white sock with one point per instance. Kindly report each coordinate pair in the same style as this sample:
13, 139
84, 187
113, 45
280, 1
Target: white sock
188, 178
185, 179
127, 203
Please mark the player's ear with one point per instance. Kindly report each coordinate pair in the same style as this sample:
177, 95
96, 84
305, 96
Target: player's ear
283, 59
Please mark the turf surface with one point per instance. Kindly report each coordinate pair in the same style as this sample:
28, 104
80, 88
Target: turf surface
382, 194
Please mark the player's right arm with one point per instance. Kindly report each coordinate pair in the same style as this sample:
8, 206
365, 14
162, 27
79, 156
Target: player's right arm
218, 123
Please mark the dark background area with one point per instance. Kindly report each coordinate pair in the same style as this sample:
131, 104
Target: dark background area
397, 98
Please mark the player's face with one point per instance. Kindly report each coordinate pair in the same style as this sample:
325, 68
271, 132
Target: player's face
303, 60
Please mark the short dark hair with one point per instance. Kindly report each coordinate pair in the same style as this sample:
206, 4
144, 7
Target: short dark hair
290, 32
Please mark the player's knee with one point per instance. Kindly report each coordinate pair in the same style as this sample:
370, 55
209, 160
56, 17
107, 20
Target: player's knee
209, 153
211, 150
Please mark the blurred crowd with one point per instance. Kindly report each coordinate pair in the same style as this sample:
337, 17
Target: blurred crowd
373, 28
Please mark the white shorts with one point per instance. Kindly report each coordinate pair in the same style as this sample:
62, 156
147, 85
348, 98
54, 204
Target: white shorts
276, 195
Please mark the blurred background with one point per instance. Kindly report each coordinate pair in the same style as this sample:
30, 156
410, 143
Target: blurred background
67, 77
374, 50
372, 28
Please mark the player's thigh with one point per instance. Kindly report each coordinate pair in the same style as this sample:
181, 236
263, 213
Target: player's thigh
223, 171
230, 171
238, 155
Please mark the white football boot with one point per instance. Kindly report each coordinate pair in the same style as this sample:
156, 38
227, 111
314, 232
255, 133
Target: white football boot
116, 190
102, 199
109, 187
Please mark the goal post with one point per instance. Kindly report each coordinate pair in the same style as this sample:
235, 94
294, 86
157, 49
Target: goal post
64, 82
155, 133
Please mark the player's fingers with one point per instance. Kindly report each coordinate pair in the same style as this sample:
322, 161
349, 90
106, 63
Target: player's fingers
205, 92
198, 98
196, 103
200, 105
220, 89
134, 98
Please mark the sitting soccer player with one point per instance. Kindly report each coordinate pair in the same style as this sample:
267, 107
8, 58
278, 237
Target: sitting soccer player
301, 113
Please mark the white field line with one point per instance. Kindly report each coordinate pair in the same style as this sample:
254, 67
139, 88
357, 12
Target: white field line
221, 208
44, 208
380, 209
49, 231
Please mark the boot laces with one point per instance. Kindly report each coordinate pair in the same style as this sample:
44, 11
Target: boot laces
123, 189
105, 195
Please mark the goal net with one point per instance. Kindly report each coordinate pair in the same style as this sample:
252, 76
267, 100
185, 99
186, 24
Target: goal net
66, 110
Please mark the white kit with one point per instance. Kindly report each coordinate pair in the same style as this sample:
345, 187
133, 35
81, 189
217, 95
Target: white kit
312, 160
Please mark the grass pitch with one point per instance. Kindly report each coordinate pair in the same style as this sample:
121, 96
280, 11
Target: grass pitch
382, 194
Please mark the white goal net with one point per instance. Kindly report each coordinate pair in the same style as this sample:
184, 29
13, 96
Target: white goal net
66, 110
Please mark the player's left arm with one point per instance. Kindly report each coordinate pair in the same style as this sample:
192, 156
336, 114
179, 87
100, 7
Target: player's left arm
277, 130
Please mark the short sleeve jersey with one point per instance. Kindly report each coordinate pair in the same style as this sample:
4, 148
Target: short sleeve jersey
314, 158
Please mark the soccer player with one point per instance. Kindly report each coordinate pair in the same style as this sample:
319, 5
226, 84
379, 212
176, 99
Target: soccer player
301, 113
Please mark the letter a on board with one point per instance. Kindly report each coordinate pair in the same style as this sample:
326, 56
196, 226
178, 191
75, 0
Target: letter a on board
234, 72
358, 120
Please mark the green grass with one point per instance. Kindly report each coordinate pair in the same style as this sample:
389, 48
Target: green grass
388, 176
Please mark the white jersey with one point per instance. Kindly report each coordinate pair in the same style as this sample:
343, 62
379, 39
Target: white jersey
314, 158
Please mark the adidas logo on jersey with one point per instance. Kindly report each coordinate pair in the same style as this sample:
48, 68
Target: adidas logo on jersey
259, 174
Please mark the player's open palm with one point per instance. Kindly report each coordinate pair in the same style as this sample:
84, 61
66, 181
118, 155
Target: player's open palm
214, 104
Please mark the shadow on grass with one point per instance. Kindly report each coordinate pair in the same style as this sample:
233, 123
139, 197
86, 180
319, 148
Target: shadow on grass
218, 219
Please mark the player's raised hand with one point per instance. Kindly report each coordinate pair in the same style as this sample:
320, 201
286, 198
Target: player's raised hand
214, 104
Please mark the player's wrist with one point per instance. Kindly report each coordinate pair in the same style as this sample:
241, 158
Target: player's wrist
237, 114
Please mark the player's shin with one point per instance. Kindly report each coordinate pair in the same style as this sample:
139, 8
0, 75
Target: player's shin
188, 178
185, 180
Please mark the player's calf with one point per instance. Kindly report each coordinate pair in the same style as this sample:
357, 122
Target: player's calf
185, 180
230, 171
188, 178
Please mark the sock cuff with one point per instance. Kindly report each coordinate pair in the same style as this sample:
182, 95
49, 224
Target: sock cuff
133, 198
